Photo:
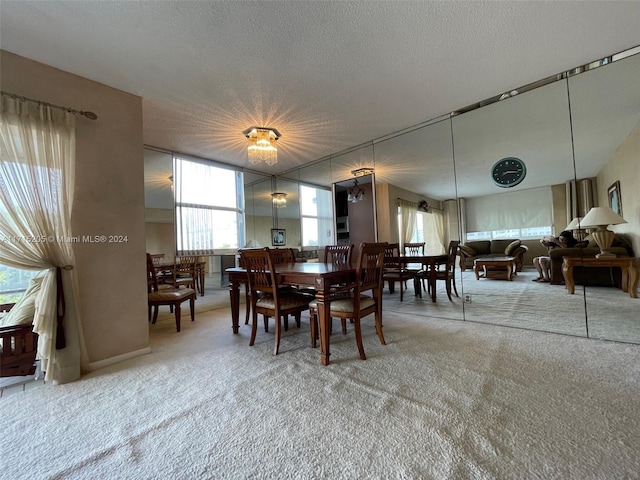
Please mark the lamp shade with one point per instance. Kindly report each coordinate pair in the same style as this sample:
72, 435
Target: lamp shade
601, 216
575, 224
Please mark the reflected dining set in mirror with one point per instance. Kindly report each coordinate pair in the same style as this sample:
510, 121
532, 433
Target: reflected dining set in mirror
415, 265
331, 281
172, 295
187, 271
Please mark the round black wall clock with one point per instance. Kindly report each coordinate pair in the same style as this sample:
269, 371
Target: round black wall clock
508, 172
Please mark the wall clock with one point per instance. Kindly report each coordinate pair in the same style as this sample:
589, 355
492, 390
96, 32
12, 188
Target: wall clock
508, 172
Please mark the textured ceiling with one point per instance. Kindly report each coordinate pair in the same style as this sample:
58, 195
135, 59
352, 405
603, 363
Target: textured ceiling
327, 75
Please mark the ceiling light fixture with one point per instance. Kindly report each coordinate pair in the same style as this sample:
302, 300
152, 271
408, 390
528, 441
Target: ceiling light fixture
261, 143
279, 199
355, 193
361, 172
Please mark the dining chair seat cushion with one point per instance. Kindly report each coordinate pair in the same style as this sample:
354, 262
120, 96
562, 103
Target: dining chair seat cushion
171, 295
345, 305
288, 300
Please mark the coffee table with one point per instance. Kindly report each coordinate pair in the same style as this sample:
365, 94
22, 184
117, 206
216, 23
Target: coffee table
508, 264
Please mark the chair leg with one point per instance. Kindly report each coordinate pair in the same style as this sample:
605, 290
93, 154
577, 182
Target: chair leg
401, 290
155, 314
453, 280
344, 326
298, 319
358, 333
448, 285
177, 310
247, 302
286, 323
313, 320
276, 347
192, 302
254, 327
265, 319
378, 320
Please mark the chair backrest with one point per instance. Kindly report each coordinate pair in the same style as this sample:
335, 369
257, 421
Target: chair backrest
185, 266
370, 266
152, 280
414, 248
451, 254
260, 270
391, 252
157, 258
338, 254
282, 255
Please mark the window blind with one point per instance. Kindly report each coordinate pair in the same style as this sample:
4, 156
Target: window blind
521, 209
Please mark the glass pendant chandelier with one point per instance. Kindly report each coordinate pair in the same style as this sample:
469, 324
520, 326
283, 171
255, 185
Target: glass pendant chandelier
261, 143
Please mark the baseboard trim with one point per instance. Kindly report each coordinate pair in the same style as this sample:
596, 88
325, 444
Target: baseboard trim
118, 358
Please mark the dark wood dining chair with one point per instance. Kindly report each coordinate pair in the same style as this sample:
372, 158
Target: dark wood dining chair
338, 254
283, 255
447, 271
162, 275
159, 295
356, 304
18, 348
184, 272
265, 296
395, 271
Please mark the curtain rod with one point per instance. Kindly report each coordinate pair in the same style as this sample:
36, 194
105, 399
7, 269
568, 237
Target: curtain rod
89, 115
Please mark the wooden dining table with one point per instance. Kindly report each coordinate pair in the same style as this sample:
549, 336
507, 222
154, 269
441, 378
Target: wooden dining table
430, 263
318, 275
200, 274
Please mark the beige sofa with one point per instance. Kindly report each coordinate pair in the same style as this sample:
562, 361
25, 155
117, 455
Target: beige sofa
510, 247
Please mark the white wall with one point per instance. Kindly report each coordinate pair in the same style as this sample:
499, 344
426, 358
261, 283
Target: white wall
109, 200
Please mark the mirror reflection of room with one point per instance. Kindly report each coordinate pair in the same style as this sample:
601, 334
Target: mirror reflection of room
450, 164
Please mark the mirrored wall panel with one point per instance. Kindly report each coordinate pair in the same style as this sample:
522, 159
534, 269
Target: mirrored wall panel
417, 169
158, 199
286, 213
258, 210
605, 107
513, 160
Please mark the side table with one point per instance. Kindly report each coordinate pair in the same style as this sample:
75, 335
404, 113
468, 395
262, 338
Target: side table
626, 264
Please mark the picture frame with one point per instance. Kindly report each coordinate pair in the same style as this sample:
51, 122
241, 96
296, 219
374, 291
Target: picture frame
615, 198
278, 237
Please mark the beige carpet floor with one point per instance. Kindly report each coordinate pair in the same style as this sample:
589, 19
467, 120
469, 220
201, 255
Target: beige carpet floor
443, 400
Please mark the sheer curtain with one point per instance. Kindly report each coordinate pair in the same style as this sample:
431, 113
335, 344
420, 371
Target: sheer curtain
37, 179
408, 215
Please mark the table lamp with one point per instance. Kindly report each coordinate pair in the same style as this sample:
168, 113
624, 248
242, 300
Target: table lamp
576, 226
601, 217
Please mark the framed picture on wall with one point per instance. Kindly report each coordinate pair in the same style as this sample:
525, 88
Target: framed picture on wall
615, 200
278, 237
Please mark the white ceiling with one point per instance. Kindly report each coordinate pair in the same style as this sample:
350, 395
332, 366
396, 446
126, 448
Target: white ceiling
327, 75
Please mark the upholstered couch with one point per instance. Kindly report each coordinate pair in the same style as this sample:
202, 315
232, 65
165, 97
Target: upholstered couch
510, 247
593, 276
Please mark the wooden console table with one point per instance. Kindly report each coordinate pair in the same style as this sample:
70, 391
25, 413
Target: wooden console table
626, 264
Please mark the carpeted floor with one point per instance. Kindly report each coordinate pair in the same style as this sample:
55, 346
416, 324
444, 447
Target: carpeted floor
443, 400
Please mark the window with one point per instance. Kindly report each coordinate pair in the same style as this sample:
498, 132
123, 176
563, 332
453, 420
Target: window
209, 207
425, 230
13, 283
533, 232
315, 210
